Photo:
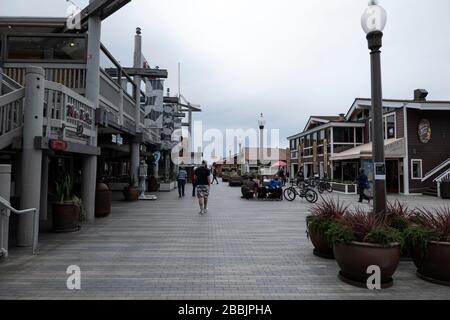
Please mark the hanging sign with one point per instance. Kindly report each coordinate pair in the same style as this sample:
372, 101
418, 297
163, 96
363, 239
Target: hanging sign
380, 171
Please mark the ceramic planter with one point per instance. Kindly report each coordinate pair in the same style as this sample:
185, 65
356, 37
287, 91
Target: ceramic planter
354, 258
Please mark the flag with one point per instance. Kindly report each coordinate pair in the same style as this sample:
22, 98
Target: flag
154, 104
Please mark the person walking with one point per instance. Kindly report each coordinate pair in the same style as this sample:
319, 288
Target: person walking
203, 180
363, 184
181, 178
214, 170
194, 183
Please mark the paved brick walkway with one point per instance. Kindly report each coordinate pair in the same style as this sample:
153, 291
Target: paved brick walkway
166, 250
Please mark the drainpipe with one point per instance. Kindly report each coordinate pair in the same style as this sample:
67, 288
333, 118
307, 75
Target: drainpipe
89, 170
406, 158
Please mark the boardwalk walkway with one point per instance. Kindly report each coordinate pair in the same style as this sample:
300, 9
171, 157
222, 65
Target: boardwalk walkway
166, 250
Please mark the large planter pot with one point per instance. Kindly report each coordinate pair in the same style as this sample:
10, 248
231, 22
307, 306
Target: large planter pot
322, 247
103, 200
434, 264
354, 258
445, 190
131, 194
66, 217
236, 181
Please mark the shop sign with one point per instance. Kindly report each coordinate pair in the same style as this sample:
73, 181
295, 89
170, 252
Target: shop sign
117, 139
424, 131
58, 145
81, 115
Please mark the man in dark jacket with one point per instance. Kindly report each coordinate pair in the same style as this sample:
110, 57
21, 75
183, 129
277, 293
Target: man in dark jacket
363, 184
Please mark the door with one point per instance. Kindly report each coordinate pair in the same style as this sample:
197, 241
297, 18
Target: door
392, 177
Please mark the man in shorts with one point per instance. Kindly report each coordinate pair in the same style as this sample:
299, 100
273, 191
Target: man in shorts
203, 179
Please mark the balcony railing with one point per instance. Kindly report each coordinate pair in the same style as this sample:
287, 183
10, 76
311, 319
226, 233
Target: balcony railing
68, 115
11, 110
117, 88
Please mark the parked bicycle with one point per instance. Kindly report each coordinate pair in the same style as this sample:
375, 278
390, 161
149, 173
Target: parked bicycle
291, 193
324, 185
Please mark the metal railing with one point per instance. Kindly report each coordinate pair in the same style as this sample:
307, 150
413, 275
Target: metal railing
436, 170
5, 210
11, 110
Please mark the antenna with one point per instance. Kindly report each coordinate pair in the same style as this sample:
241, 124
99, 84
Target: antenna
179, 79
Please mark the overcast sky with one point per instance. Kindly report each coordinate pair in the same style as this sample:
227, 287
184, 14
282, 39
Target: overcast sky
287, 58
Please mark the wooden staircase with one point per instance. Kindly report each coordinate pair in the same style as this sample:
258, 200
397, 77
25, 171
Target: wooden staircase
11, 110
432, 191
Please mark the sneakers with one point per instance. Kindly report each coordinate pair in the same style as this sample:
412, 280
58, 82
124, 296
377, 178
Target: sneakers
203, 211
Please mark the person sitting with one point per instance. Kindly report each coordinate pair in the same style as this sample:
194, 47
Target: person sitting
249, 189
275, 188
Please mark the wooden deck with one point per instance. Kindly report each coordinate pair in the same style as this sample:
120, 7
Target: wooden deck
166, 250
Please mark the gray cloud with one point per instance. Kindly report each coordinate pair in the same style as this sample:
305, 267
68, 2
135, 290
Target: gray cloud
288, 58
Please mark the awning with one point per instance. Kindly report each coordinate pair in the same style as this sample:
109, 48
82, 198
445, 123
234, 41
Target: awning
393, 148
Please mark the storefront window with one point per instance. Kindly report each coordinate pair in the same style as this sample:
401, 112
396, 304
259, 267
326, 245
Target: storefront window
390, 125
416, 168
344, 135
359, 135
47, 48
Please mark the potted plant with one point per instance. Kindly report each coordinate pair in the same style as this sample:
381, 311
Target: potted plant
362, 240
428, 241
322, 216
131, 193
67, 208
445, 188
225, 176
398, 216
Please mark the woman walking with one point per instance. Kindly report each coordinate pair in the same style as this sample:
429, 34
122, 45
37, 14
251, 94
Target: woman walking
363, 185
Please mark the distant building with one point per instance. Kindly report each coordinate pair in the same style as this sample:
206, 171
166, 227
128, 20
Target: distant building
249, 159
417, 144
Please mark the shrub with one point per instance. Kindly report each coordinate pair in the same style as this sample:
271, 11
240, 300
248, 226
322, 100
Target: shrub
363, 227
363, 223
323, 214
385, 236
437, 222
339, 233
398, 216
418, 237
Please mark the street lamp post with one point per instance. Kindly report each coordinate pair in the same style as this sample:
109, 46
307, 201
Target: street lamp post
262, 124
373, 22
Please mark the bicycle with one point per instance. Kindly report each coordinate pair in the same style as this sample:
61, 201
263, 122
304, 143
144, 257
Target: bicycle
291, 193
324, 185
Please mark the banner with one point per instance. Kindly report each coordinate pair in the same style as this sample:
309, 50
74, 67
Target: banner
154, 104
168, 126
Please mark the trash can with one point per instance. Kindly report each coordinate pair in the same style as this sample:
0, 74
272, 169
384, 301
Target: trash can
103, 199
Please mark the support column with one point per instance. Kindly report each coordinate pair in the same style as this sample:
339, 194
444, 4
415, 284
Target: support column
31, 157
5, 192
89, 174
137, 79
89, 181
44, 188
135, 157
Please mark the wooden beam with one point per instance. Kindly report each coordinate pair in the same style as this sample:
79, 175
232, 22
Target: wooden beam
145, 73
101, 8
